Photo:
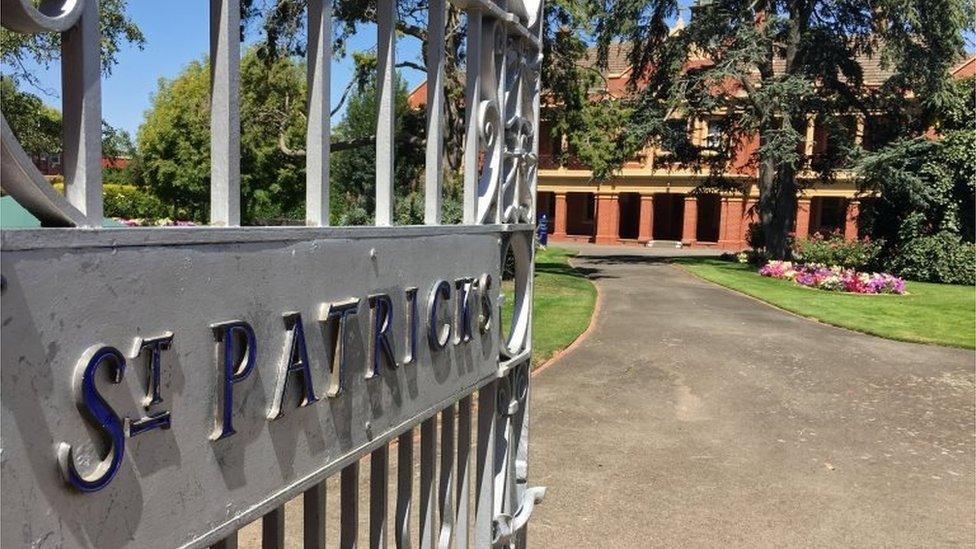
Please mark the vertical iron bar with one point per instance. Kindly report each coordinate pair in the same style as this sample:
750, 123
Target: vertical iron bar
349, 506
404, 489
313, 516
485, 466
472, 100
385, 109
229, 542
445, 492
435, 113
379, 466
463, 472
273, 529
428, 490
319, 106
81, 107
225, 118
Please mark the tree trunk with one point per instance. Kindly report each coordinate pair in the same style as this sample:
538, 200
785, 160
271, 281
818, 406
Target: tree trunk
777, 204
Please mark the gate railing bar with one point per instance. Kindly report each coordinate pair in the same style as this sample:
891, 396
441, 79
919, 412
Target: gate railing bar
427, 421
379, 466
385, 107
485, 466
428, 487
273, 528
313, 516
317, 136
463, 509
225, 118
82, 114
435, 113
349, 502
472, 102
404, 489
445, 488
229, 542
175, 236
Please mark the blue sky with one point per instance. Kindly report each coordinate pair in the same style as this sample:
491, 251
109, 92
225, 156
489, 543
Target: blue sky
177, 32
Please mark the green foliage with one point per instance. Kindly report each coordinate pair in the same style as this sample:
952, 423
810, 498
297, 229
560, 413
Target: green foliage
353, 170
755, 238
941, 257
174, 141
834, 250
174, 148
131, 202
926, 196
37, 126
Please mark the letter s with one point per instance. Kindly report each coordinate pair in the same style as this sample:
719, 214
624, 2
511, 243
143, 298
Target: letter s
92, 405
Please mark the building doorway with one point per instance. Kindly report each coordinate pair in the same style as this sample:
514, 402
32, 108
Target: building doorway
709, 218
546, 204
669, 215
827, 214
629, 204
580, 209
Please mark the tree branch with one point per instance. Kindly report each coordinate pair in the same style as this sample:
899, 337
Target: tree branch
411, 65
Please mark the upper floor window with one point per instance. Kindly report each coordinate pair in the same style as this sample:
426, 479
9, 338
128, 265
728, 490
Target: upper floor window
878, 132
675, 135
713, 134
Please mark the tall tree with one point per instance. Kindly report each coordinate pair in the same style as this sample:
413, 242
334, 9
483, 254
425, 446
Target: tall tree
36, 125
765, 66
174, 140
281, 25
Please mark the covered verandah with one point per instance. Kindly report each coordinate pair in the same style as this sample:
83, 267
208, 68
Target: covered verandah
693, 219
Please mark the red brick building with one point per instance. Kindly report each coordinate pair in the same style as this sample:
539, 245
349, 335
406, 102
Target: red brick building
652, 198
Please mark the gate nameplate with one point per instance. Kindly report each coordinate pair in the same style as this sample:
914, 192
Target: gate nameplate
230, 370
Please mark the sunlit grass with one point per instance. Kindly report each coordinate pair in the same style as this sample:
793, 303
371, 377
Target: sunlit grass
562, 303
931, 313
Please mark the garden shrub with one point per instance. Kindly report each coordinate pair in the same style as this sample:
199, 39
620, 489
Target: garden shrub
131, 202
942, 257
834, 249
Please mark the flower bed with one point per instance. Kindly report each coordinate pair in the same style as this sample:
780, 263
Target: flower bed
834, 278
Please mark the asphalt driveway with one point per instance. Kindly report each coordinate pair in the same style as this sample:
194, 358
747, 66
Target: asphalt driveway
693, 416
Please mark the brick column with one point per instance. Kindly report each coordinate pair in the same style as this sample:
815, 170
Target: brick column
850, 220
802, 218
646, 220
559, 223
730, 231
690, 225
607, 224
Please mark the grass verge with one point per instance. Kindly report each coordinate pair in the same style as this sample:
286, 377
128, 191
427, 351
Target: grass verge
563, 303
943, 314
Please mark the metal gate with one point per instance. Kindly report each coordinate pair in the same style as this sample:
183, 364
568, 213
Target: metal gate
167, 386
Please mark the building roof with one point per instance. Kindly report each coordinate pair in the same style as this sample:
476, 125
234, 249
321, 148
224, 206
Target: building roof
618, 64
966, 68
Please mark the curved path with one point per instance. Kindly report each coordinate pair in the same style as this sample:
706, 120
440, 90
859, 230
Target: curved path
696, 417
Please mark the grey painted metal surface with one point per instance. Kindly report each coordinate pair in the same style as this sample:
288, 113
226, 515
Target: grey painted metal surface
225, 113
319, 117
181, 476
163, 387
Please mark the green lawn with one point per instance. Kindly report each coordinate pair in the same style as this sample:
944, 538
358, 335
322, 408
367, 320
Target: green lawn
930, 313
562, 306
